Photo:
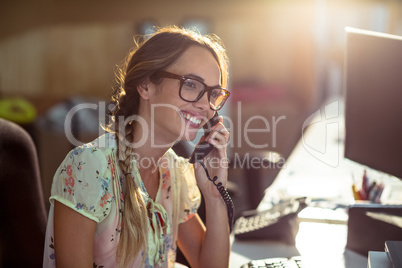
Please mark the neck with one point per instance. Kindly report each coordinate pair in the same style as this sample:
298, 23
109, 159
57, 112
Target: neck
148, 151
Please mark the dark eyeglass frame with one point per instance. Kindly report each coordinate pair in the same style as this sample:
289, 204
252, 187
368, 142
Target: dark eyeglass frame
207, 88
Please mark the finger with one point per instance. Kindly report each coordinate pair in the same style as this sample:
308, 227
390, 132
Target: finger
225, 133
220, 137
221, 133
218, 140
219, 128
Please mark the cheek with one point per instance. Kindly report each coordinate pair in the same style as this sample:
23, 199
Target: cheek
164, 104
165, 113
169, 117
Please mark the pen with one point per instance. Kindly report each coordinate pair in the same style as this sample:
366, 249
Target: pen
355, 192
380, 190
365, 182
373, 192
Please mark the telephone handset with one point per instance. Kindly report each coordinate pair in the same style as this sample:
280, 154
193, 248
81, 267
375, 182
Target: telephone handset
203, 148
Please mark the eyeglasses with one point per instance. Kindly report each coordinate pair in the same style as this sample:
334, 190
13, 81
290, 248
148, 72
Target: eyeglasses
192, 90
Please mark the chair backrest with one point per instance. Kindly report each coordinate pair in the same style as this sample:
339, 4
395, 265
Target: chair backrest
22, 211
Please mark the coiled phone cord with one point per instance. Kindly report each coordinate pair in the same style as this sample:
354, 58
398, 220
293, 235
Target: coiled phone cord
225, 195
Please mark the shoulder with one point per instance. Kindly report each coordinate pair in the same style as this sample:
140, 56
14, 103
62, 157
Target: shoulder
98, 148
104, 143
94, 159
83, 180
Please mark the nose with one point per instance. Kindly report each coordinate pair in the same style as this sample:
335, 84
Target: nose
203, 103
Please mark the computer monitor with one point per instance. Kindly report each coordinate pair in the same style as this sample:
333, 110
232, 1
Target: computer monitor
373, 100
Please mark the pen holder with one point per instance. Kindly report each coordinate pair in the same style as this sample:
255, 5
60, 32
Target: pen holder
369, 191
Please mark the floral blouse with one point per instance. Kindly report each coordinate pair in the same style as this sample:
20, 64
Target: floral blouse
89, 181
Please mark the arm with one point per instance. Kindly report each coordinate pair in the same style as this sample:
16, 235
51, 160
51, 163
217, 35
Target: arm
206, 246
210, 246
73, 237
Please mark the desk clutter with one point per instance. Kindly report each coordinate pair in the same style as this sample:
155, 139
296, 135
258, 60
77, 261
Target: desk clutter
394, 253
392, 257
294, 262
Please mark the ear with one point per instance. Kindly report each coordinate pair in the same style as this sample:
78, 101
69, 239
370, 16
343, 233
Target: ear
143, 90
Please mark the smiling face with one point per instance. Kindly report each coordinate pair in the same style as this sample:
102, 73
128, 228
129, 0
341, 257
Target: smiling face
174, 118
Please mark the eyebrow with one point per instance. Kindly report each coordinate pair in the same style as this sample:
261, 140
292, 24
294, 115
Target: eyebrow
195, 76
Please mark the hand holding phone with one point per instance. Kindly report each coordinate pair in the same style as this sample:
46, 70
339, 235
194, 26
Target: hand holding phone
203, 148
200, 151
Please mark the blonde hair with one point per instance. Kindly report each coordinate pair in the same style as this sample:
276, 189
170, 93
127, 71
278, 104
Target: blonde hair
143, 63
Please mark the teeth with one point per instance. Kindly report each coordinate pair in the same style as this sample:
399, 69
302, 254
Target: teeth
192, 119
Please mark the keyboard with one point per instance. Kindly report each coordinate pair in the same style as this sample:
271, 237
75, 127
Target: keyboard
293, 262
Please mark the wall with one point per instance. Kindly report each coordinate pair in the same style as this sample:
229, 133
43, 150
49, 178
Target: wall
71, 47
78, 56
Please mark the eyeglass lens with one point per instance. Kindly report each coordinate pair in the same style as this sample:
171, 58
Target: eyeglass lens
192, 89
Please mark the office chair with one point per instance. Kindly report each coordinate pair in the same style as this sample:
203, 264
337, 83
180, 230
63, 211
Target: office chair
22, 212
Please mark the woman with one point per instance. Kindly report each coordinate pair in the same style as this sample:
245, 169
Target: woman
126, 199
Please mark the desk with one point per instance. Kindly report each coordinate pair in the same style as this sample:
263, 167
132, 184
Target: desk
316, 169
318, 250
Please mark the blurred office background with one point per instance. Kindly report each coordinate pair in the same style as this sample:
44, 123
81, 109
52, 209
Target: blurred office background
286, 59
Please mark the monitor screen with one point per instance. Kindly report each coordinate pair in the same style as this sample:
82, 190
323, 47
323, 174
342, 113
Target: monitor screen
373, 98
